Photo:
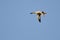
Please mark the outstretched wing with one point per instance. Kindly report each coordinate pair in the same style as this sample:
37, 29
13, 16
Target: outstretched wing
43, 13
32, 13
39, 18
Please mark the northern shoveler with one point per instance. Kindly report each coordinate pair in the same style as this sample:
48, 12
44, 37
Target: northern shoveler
39, 13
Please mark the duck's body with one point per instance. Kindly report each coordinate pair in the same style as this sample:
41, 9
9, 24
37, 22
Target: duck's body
39, 14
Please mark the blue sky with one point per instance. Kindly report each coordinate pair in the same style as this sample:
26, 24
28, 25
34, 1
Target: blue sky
16, 22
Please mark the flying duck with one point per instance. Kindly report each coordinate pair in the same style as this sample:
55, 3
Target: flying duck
39, 14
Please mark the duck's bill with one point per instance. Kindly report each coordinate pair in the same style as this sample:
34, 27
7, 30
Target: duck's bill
39, 20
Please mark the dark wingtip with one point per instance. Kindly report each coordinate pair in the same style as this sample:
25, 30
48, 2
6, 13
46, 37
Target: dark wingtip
42, 11
30, 13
